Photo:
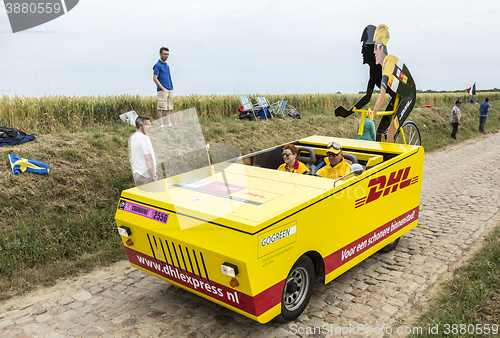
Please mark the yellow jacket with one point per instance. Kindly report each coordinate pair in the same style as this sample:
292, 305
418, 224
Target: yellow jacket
341, 169
299, 168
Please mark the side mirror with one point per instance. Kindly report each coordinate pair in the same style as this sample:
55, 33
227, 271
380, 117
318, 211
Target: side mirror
356, 170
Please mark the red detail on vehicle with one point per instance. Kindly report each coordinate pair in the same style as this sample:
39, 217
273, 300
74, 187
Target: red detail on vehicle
221, 188
350, 251
381, 186
256, 305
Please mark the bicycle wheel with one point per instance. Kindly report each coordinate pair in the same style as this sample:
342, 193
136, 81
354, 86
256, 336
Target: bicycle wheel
412, 135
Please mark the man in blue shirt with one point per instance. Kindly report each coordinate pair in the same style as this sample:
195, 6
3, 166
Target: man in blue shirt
483, 114
164, 87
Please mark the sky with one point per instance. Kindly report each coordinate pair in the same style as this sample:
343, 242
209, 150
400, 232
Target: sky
247, 47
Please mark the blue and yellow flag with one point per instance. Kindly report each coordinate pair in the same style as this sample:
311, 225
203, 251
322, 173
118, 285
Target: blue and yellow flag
20, 165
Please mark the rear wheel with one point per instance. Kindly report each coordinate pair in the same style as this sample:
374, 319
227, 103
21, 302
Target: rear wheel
411, 132
297, 290
391, 246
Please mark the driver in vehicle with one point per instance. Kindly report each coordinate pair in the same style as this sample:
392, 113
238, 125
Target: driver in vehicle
291, 164
335, 164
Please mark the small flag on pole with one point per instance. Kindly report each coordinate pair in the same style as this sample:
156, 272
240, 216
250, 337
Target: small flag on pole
472, 90
20, 165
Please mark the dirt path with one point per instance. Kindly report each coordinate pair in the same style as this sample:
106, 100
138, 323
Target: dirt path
460, 204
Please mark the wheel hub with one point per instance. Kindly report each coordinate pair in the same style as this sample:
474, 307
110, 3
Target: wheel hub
297, 285
292, 287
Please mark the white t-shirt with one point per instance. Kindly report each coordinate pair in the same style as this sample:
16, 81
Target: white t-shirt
140, 145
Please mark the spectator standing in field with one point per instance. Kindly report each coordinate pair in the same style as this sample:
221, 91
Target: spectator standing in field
368, 131
484, 109
164, 87
455, 118
141, 152
368, 128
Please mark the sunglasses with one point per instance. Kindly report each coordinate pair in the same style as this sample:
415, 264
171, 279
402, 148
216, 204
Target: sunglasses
332, 155
334, 145
286, 154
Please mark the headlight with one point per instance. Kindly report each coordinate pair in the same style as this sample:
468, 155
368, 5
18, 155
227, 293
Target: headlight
124, 231
229, 269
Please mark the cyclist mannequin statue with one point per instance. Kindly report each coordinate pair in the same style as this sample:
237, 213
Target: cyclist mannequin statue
375, 74
397, 77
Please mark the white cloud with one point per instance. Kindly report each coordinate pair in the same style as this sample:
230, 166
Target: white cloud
225, 47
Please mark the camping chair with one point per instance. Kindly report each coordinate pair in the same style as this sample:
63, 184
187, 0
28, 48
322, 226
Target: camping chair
279, 108
261, 101
288, 108
248, 106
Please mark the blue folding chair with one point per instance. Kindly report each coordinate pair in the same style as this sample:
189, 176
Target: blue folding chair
262, 102
249, 107
278, 108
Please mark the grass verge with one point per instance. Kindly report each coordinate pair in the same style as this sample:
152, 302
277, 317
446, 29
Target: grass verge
470, 303
55, 225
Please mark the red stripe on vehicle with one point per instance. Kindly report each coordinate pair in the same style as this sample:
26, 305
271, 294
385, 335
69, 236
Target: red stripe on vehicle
269, 298
256, 306
352, 250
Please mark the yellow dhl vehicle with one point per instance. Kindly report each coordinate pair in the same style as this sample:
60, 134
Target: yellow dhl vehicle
253, 239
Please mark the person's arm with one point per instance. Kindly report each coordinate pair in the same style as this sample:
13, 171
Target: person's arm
380, 101
457, 118
364, 100
155, 80
151, 166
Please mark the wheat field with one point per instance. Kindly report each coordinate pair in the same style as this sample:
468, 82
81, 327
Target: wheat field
61, 113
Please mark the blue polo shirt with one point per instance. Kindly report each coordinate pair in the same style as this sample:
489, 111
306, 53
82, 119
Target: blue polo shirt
163, 71
484, 109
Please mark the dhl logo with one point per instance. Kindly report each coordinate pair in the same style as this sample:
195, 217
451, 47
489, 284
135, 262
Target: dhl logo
382, 186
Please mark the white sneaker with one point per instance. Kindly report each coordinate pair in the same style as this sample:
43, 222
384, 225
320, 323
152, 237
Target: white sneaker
161, 127
169, 126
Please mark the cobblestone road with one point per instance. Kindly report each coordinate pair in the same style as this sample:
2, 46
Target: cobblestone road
460, 202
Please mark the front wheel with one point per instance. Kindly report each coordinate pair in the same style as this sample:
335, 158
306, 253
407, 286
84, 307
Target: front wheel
411, 132
391, 246
297, 290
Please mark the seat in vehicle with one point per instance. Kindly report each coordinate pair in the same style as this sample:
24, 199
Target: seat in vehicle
307, 156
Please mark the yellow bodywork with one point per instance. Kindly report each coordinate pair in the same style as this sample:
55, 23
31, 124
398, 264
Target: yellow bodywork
262, 220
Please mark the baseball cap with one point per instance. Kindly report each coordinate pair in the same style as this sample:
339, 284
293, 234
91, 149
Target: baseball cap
458, 101
333, 147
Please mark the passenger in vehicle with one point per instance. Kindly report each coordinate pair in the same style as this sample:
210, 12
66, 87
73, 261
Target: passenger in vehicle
291, 164
335, 164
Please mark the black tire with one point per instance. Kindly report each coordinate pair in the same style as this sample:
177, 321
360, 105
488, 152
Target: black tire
412, 134
297, 290
391, 246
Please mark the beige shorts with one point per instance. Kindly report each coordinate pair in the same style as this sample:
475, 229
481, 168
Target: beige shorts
165, 100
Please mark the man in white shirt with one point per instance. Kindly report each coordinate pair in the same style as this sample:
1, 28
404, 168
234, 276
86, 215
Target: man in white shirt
142, 155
